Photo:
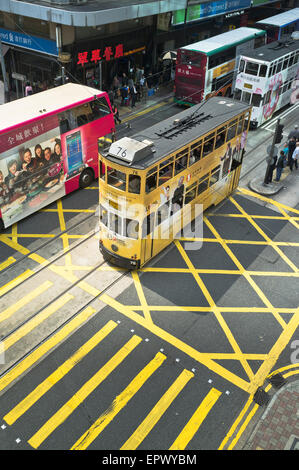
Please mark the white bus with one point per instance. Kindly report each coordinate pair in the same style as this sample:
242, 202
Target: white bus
265, 78
278, 26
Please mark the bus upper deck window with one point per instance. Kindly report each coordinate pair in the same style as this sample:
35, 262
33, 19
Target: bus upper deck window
263, 71
252, 68
134, 184
116, 178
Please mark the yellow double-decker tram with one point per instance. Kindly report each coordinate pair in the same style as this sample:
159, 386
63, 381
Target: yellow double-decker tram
149, 182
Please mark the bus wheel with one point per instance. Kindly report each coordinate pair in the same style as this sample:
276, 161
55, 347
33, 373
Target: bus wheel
86, 178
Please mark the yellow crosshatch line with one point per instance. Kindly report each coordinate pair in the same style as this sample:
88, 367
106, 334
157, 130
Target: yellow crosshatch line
142, 313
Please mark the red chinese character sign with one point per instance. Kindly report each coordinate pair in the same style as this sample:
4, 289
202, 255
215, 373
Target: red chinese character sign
107, 53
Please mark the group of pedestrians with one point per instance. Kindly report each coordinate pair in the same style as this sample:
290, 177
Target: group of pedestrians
289, 156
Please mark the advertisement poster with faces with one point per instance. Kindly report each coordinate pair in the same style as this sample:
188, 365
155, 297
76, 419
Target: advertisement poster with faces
31, 169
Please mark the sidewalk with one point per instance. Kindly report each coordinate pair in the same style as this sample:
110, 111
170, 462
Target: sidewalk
163, 93
278, 426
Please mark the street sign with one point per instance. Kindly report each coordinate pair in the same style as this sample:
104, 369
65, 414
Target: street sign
18, 76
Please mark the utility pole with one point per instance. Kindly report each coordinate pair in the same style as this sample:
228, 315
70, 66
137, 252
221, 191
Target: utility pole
273, 150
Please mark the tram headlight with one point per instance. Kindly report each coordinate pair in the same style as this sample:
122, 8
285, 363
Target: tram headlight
114, 247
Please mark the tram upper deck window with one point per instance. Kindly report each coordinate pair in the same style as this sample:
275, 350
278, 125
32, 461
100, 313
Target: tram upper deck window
181, 161
263, 70
208, 145
102, 168
195, 153
292, 58
232, 130
240, 125
116, 178
220, 137
165, 171
252, 68
134, 184
151, 180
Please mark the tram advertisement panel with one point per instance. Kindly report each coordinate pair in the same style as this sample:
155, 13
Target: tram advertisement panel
31, 169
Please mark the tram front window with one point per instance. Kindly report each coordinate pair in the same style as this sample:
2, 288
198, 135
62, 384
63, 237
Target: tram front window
132, 228
134, 184
116, 178
115, 223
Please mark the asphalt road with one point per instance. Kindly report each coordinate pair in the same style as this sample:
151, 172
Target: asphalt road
170, 355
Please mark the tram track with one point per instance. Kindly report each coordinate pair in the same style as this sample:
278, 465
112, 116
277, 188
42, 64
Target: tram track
16, 331
21, 340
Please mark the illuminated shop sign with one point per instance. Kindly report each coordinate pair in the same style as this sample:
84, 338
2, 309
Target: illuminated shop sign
107, 53
204, 10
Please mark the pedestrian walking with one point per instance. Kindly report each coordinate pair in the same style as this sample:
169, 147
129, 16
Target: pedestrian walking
291, 148
133, 95
115, 114
280, 165
294, 133
295, 157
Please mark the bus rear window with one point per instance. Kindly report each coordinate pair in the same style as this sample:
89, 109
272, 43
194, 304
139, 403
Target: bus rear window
190, 58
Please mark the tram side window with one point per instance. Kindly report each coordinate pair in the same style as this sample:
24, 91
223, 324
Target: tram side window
292, 60
116, 178
285, 63
208, 146
215, 175
279, 66
134, 184
165, 173
181, 161
102, 168
220, 137
151, 180
195, 153
240, 125
162, 213
132, 228
263, 70
203, 184
190, 193
232, 130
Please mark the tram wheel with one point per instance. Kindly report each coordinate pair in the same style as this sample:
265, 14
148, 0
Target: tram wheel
86, 178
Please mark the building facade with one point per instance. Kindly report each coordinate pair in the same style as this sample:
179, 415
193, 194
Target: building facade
91, 42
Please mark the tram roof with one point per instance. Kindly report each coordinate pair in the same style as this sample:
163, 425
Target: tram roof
281, 19
274, 50
152, 144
